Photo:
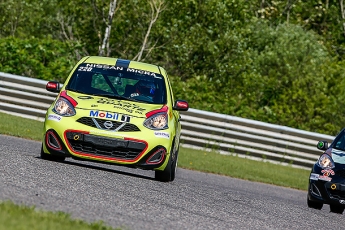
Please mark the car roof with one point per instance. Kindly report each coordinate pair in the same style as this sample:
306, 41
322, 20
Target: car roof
123, 63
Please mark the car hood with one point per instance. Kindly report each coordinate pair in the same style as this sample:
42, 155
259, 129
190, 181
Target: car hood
98, 104
338, 156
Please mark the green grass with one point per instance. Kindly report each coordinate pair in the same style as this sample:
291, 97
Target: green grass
20, 127
14, 217
247, 169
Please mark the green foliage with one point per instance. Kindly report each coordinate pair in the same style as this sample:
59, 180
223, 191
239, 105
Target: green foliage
205, 39
274, 61
288, 60
284, 80
39, 58
322, 17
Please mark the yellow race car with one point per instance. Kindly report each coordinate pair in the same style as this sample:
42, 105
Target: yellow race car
115, 111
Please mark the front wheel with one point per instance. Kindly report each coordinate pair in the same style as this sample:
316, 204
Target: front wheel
169, 173
315, 205
336, 209
51, 157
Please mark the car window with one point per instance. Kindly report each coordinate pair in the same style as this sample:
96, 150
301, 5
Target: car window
133, 84
340, 143
98, 82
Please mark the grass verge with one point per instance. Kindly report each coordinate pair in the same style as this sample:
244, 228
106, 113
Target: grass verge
247, 169
14, 217
20, 127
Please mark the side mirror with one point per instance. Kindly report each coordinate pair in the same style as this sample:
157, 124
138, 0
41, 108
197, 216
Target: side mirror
181, 105
322, 145
53, 86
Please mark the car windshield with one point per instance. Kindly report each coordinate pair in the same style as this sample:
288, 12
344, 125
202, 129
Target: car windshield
338, 148
339, 141
118, 82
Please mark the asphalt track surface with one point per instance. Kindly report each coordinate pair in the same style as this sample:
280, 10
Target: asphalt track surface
132, 199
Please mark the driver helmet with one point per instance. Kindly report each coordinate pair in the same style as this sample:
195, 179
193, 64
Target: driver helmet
146, 88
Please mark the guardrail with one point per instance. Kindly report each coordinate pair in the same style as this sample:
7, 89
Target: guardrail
207, 131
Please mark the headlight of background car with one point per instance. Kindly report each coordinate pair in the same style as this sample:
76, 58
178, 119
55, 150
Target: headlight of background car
157, 121
64, 108
325, 161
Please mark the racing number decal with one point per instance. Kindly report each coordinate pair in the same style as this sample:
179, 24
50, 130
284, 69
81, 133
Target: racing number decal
85, 69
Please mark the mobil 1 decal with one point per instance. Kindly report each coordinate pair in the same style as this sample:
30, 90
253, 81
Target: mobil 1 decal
110, 116
122, 105
125, 118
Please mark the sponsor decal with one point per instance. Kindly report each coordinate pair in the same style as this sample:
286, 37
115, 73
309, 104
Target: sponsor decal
314, 176
54, 117
162, 135
125, 118
107, 115
85, 69
327, 172
100, 66
89, 67
134, 95
141, 72
325, 178
122, 105
100, 114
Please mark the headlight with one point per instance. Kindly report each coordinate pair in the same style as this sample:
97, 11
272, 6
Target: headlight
64, 108
157, 121
325, 161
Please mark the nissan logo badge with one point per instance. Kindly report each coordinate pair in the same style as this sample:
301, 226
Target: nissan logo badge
108, 124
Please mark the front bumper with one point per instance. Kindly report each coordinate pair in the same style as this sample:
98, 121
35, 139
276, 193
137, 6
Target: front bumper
326, 188
133, 149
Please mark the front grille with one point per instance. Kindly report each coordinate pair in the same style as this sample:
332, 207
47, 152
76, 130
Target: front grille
103, 146
116, 125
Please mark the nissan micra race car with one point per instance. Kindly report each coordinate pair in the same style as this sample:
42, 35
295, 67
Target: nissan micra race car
115, 111
327, 177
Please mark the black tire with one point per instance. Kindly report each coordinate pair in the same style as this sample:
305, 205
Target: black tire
336, 209
315, 205
166, 174
169, 173
51, 157
174, 168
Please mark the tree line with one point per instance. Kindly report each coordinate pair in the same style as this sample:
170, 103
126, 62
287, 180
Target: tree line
275, 61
